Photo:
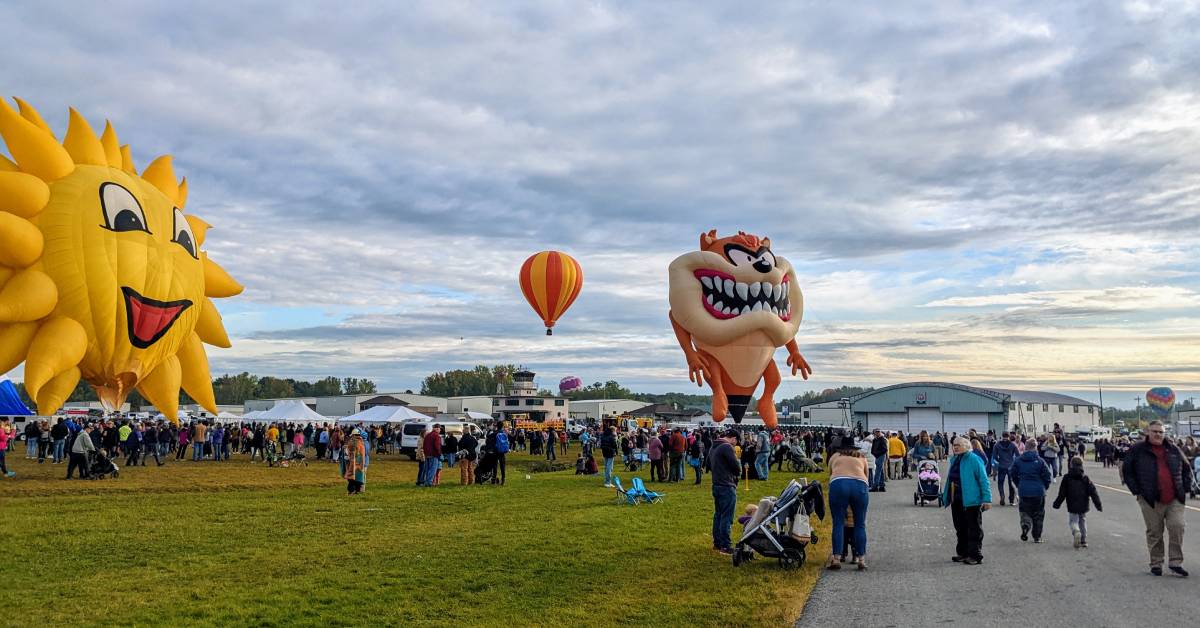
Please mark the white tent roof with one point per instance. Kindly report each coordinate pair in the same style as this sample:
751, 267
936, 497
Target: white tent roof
250, 416
384, 414
291, 410
471, 414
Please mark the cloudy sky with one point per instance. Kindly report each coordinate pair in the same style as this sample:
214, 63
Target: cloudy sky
983, 194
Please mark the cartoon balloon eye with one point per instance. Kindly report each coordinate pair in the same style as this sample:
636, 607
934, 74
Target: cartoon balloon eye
183, 234
766, 259
740, 257
121, 210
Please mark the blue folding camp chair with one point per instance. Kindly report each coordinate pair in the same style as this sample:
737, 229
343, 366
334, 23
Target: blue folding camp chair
623, 496
639, 489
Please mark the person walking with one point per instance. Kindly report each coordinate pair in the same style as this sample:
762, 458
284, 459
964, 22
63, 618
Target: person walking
431, 446
1154, 471
1076, 489
1050, 450
1031, 472
762, 460
724, 469
1004, 454
608, 448
354, 463
879, 450
677, 447
500, 446
848, 489
896, 453
59, 434
466, 458
968, 494
654, 447
696, 457
7, 433
552, 445
80, 449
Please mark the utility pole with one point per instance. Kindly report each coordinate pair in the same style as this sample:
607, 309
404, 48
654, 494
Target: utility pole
1139, 411
1101, 389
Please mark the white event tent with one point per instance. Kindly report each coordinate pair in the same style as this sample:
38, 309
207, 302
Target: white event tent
292, 411
384, 414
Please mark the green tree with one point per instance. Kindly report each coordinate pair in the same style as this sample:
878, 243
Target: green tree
235, 389
327, 387
272, 388
480, 380
356, 386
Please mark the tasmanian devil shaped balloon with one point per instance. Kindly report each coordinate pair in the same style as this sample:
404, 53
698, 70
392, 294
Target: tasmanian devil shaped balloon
733, 303
102, 275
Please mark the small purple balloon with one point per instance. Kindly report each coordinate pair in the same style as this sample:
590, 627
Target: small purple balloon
569, 384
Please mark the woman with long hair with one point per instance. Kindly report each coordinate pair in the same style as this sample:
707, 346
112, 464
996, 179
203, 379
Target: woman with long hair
848, 489
354, 463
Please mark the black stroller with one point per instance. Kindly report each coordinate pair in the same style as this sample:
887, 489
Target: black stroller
485, 471
929, 484
102, 466
780, 528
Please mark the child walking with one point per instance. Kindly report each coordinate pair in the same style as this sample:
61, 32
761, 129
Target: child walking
1076, 489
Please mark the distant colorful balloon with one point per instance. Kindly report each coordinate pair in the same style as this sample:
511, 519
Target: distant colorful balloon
551, 281
1161, 400
569, 384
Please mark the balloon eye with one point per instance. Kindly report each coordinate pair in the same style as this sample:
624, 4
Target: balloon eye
121, 210
739, 257
183, 234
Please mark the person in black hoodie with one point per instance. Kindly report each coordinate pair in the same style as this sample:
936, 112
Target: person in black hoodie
725, 472
1077, 489
1154, 470
879, 449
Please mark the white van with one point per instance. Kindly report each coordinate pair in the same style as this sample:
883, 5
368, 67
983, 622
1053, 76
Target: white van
411, 431
1091, 433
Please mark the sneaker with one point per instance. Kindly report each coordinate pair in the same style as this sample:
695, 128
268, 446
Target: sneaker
1078, 542
1178, 570
1002, 503
1037, 540
608, 486
1156, 571
972, 561
11, 474
957, 559
725, 550
862, 563
1083, 544
883, 489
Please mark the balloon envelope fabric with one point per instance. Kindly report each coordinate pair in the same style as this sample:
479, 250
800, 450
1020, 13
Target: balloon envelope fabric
551, 281
1161, 400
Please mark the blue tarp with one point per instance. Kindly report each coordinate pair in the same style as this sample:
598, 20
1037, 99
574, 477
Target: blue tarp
10, 401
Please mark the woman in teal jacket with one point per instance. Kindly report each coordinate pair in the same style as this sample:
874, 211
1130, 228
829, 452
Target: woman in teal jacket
967, 493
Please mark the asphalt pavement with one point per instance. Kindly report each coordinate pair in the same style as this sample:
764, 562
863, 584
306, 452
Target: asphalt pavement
911, 581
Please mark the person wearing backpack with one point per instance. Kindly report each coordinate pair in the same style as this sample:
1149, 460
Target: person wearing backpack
501, 448
608, 447
1076, 489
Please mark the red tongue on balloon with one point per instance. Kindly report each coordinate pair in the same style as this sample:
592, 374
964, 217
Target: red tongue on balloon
149, 319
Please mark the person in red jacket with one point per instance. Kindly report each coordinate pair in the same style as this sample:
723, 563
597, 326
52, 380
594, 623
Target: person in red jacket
677, 449
431, 446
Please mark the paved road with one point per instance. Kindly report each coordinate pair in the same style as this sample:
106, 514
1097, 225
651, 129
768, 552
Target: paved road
912, 582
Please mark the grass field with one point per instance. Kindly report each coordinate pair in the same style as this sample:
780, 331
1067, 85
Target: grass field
235, 543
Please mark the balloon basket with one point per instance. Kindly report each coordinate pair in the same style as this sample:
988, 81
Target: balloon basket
549, 332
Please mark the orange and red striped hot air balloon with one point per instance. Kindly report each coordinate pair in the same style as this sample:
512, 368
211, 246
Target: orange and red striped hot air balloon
550, 281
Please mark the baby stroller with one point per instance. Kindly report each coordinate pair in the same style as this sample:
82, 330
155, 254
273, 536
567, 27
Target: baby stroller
780, 527
102, 466
800, 463
485, 471
929, 484
637, 457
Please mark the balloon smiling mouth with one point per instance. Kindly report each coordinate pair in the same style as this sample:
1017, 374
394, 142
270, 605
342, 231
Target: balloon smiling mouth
726, 298
149, 319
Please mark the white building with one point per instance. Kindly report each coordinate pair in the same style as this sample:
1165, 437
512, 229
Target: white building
834, 413
1037, 412
595, 409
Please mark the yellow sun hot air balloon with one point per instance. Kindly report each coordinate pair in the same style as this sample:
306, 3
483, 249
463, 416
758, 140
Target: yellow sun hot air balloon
101, 273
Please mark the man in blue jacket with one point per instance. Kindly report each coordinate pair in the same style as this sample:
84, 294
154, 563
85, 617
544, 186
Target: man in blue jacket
1004, 454
1033, 478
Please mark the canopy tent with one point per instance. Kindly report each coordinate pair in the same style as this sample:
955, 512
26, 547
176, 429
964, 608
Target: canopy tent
479, 416
227, 417
291, 410
384, 414
10, 400
251, 416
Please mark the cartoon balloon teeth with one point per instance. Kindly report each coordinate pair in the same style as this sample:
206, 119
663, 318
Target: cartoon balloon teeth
725, 297
101, 273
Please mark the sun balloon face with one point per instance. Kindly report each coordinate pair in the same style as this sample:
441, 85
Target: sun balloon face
106, 279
